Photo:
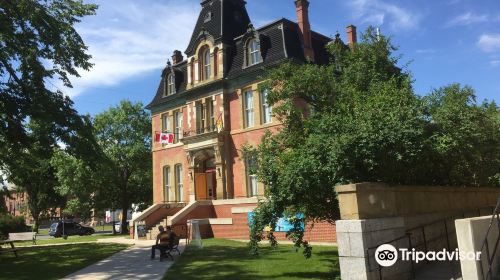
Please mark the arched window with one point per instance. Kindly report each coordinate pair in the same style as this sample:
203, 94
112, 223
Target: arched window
170, 84
216, 61
179, 183
166, 184
192, 71
205, 63
253, 52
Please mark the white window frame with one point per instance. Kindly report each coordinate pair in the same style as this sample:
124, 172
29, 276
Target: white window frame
178, 119
206, 69
170, 84
248, 108
267, 110
254, 54
178, 183
165, 122
252, 183
167, 187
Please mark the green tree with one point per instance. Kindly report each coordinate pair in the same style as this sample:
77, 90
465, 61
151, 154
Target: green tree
464, 138
30, 170
362, 122
38, 47
78, 182
124, 136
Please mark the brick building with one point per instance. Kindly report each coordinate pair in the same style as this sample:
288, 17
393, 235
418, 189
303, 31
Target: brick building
211, 102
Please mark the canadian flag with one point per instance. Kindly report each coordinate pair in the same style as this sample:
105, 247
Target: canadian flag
164, 138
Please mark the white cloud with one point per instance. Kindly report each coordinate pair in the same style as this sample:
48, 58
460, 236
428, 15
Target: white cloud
129, 38
379, 12
495, 63
467, 19
489, 42
425, 51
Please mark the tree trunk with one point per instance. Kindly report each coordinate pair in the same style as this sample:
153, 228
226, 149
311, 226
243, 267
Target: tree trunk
36, 223
123, 228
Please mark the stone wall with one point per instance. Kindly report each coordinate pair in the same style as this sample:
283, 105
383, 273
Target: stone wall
373, 214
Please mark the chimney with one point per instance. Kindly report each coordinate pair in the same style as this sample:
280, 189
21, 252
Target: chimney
302, 9
177, 57
352, 37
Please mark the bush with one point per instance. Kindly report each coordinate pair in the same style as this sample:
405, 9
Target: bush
9, 224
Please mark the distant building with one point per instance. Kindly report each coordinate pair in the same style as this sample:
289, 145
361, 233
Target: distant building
211, 102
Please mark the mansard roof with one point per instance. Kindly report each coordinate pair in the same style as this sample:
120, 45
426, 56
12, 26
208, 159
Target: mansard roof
280, 41
220, 20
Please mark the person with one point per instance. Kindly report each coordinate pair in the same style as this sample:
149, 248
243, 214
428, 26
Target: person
164, 241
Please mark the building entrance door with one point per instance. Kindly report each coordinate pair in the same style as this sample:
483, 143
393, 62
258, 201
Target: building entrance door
201, 186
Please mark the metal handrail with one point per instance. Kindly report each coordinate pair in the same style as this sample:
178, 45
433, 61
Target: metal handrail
495, 216
426, 241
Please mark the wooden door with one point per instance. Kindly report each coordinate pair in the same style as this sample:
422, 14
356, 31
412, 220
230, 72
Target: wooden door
201, 186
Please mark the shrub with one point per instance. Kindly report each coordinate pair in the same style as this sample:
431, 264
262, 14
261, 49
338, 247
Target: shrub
9, 224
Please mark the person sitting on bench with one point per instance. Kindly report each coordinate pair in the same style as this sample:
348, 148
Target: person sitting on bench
164, 240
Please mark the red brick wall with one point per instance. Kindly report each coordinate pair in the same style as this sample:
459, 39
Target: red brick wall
320, 232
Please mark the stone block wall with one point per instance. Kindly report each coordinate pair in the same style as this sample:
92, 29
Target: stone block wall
373, 214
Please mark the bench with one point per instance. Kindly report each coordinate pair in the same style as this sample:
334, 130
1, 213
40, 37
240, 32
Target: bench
23, 236
166, 252
18, 236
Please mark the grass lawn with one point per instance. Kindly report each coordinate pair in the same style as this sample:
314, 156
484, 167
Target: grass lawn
71, 239
226, 259
53, 262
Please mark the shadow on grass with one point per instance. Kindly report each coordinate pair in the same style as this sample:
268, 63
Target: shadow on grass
53, 262
224, 259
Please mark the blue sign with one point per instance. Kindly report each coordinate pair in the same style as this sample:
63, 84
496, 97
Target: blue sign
283, 225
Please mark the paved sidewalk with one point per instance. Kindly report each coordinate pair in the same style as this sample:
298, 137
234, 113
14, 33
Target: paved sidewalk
131, 263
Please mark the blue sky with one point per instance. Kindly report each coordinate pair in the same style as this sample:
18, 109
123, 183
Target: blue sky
444, 41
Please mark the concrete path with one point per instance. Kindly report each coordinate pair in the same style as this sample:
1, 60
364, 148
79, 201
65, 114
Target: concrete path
131, 263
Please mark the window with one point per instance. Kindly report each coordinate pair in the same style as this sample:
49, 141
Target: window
216, 62
211, 113
179, 185
252, 184
249, 118
266, 109
200, 117
165, 123
178, 119
170, 84
166, 183
205, 64
254, 56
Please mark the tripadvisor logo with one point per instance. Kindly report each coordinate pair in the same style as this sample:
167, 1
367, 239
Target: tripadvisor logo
387, 255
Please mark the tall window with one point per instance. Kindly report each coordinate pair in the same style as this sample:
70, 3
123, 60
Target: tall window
205, 64
178, 119
253, 49
266, 110
165, 123
200, 117
216, 62
211, 113
166, 183
170, 84
178, 183
249, 112
253, 186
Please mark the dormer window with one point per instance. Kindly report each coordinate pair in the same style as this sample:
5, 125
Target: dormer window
253, 52
206, 70
208, 17
170, 84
